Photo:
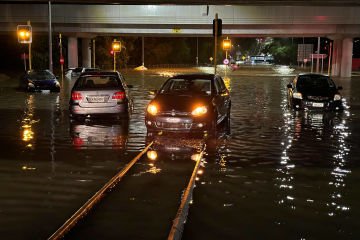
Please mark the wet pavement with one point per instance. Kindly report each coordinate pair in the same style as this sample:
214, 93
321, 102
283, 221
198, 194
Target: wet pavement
278, 175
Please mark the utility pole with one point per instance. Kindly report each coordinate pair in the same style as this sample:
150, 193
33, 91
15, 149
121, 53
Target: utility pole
215, 43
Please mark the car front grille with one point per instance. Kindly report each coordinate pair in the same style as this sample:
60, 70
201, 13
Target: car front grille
317, 98
174, 126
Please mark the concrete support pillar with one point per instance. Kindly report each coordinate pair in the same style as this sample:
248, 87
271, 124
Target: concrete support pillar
72, 52
336, 57
346, 58
86, 52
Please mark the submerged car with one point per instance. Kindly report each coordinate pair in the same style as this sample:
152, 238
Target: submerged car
189, 103
37, 80
97, 94
314, 92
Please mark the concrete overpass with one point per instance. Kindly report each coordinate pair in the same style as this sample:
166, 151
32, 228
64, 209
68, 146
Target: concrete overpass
340, 23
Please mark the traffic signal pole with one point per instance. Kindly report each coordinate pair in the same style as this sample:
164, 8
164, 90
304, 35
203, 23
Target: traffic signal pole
30, 64
215, 43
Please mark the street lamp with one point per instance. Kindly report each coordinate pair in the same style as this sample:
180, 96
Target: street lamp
226, 47
24, 33
116, 47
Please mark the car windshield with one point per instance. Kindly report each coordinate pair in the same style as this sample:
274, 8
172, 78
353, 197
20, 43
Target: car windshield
98, 82
41, 75
77, 70
311, 83
187, 86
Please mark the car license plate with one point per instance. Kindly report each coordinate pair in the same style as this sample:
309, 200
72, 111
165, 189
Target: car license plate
172, 120
318, 104
96, 99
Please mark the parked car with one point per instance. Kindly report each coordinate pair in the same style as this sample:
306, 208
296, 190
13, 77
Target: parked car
37, 80
100, 94
314, 91
77, 71
189, 103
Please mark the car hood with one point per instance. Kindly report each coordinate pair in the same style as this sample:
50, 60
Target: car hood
181, 103
320, 93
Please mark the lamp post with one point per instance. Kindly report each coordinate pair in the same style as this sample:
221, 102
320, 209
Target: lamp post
226, 47
116, 47
24, 33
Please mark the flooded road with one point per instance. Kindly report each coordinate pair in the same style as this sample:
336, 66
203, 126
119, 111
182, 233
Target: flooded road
278, 175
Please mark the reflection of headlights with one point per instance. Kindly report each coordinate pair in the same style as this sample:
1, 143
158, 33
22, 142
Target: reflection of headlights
199, 111
337, 97
152, 155
297, 95
152, 109
195, 157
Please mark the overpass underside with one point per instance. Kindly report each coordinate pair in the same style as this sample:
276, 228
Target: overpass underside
340, 23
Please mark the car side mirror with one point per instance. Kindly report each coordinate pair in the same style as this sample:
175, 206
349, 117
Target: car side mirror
339, 88
153, 92
289, 86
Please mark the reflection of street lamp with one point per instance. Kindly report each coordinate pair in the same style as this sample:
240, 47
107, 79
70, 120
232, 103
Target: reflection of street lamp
116, 47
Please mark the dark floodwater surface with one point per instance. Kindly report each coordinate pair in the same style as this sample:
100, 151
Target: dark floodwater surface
278, 175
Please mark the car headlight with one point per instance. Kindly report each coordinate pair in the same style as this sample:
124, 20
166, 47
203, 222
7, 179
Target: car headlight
297, 95
152, 109
57, 84
199, 111
337, 97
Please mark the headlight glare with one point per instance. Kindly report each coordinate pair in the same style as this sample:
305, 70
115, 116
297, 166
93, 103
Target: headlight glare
199, 111
337, 97
297, 95
152, 109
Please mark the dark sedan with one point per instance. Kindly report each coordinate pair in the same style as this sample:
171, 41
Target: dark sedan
37, 80
189, 103
314, 92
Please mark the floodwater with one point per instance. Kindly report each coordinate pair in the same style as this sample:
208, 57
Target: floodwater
277, 175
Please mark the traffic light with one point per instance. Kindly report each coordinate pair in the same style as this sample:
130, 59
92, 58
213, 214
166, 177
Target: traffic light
116, 46
24, 33
226, 44
219, 27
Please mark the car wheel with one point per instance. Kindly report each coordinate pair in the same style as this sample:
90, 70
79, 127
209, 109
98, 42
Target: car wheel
55, 90
227, 122
214, 127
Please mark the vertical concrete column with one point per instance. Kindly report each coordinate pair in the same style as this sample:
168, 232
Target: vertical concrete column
86, 52
336, 57
346, 58
72, 52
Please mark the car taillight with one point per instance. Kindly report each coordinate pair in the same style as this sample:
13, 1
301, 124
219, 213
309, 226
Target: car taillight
118, 96
76, 96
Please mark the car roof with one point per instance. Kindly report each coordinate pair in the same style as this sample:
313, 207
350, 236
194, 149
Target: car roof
99, 73
313, 74
195, 75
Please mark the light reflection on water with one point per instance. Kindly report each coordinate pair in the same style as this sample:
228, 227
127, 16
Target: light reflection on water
288, 174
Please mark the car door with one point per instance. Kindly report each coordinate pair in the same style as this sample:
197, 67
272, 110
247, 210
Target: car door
221, 98
127, 92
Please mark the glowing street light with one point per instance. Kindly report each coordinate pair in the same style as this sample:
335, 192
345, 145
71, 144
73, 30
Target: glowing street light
226, 44
24, 33
116, 47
